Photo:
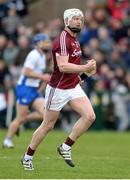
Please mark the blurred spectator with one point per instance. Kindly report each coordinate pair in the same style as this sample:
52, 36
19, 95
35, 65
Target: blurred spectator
3, 42
10, 52
100, 59
127, 83
21, 7
105, 41
5, 85
91, 5
11, 22
115, 59
105, 74
120, 74
3, 13
3, 9
39, 27
120, 105
55, 27
127, 80
5, 76
90, 31
23, 44
125, 54
118, 30
118, 8
93, 45
100, 16
23, 30
101, 101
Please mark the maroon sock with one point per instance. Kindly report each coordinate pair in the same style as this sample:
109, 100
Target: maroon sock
69, 141
30, 151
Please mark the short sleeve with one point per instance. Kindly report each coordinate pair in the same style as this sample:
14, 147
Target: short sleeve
63, 45
30, 61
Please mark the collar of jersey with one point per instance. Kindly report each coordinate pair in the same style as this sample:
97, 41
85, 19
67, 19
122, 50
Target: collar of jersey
69, 34
39, 52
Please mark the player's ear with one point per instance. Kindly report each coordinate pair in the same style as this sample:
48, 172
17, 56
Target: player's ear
66, 21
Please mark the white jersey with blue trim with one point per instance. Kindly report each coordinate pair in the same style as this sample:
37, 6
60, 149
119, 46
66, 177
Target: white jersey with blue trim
37, 62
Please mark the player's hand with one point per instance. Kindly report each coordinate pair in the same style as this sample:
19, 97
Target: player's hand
46, 77
90, 67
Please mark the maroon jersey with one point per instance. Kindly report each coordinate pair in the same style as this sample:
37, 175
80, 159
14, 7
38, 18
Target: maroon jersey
65, 45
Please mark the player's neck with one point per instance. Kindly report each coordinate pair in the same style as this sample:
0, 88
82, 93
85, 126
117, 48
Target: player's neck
40, 50
70, 32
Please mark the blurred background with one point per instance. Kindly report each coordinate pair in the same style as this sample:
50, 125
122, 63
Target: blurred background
105, 37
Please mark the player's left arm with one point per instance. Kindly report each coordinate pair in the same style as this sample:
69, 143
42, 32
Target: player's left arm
42, 87
88, 73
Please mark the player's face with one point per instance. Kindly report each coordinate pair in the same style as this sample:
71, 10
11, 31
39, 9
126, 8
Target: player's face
44, 45
76, 22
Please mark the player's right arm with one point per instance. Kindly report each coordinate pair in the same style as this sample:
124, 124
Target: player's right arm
29, 69
32, 74
62, 50
65, 66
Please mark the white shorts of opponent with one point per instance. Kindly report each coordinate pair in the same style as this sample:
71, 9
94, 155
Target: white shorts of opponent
56, 99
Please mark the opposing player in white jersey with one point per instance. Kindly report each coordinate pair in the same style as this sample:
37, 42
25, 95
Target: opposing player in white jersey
27, 94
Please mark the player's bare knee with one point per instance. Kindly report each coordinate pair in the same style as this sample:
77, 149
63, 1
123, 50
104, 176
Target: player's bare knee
41, 113
22, 120
49, 127
92, 117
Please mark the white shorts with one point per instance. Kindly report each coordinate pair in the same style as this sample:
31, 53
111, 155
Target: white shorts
56, 99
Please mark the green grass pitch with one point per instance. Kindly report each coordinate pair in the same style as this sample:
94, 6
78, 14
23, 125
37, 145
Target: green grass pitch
97, 155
